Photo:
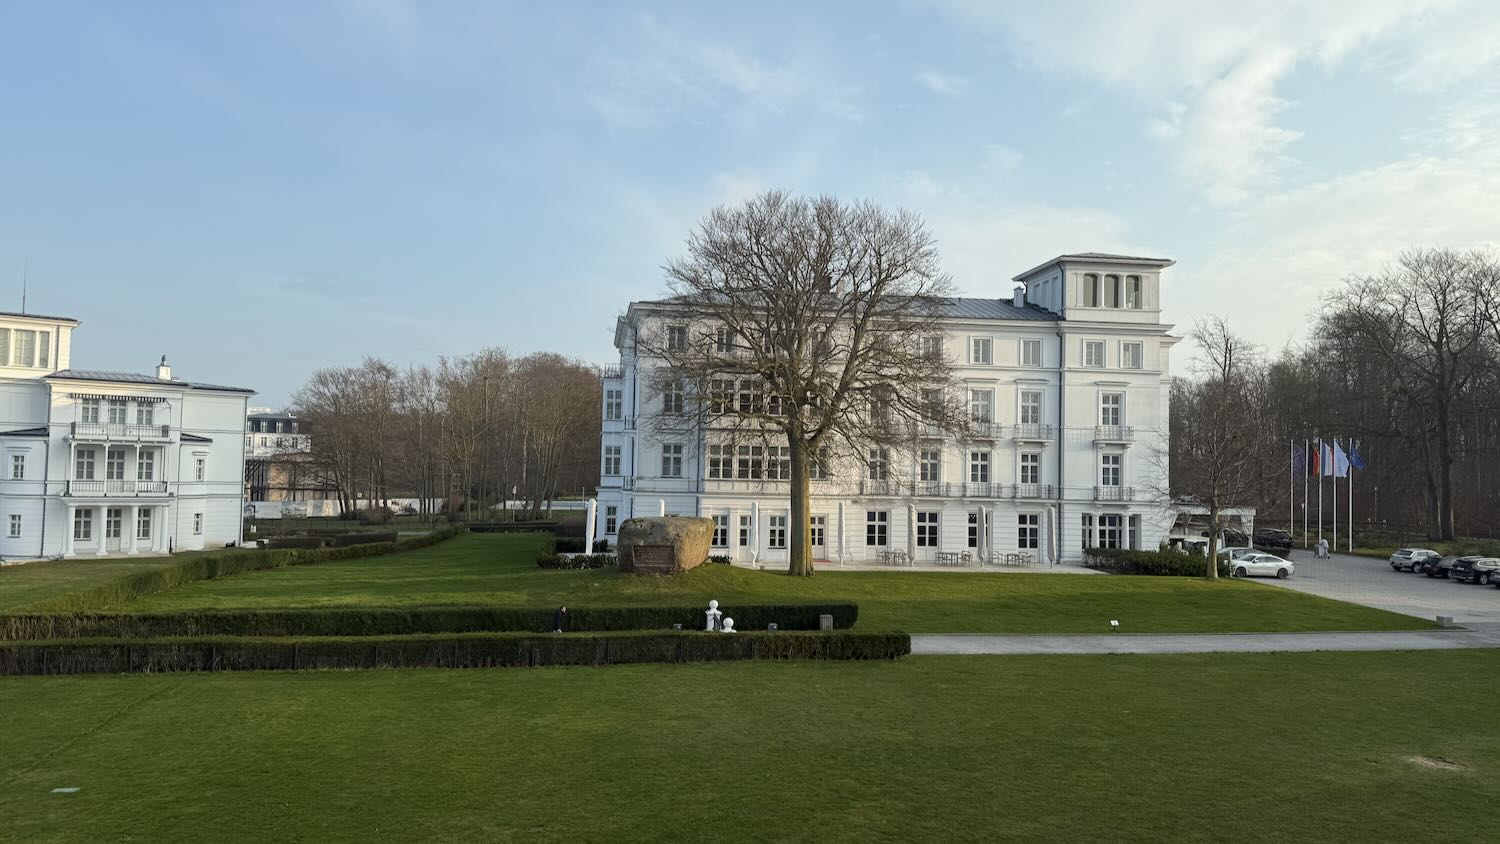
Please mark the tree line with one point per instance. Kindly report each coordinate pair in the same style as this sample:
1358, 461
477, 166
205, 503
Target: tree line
1406, 361
465, 434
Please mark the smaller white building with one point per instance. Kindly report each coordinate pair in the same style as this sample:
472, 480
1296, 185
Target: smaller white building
97, 463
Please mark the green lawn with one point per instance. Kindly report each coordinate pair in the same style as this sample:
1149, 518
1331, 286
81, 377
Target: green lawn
1211, 748
32, 582
500, 569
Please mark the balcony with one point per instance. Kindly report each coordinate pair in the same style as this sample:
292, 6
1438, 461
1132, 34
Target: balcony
869, 487
1114, 493
629, 423
984, 429
116, 489
612, 371
982, 489
1114, 434
113, 432
1035, 491
931, 489
1033, 432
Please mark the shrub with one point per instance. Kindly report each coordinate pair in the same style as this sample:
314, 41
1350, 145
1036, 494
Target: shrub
296, 541
481, 650
376, 515
361, 538
549, 560
1164, 563
601, 545
568, 545
397, 621
721, 559
221, 564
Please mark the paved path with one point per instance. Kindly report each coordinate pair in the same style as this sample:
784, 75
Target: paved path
1371, 582
1475, 636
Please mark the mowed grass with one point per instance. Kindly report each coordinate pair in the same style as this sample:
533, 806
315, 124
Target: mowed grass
501, 570
30, 583
1211, 748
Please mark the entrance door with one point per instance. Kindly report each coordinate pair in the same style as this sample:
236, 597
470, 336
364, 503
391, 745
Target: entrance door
113, 517
818, 527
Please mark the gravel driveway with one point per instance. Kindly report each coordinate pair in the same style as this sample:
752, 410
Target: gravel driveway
1369, 581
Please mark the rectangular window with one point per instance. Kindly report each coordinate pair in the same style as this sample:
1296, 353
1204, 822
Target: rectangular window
1031, 467
879, 464
1131, 356
979, 467
88, 411
929, 465
114, 518
1109, 531
750, 399
932, 347
927, 529
672, 399
779, 468
1109, 469
744, 531
4, 347
15, 525
1093, 353
821, 467
1135, 532
677, 338
25, 348
145, 413
1031, 352
982, 405
724, 340
17, 467
614, 404
145, 465
877, 527
43, 348
932, 404
611, 517
1111, 291
197, 524
116, 412
776, 532
1031, 407
750, 463
1088, 530
83, 525
1133, 291
721, 396
83, 465
114, 464
1027, 530
1090, 290
671, 460
721, 531
612, 455
981, 350
720, 462
973, 530
143, 525
200, 468
1111, 407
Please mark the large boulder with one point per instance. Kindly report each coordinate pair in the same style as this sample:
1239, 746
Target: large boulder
665, 544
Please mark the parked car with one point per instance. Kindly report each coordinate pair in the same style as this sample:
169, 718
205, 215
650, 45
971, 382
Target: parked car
1410, 559
1439, 566
1481, 570
1273, 538
1262, 565
1235, 552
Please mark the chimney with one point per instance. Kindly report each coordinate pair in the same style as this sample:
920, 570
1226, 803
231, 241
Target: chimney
163, 371
1019, 297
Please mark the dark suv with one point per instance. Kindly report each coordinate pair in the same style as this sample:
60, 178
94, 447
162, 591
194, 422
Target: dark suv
1273, 538
1481, 570
1440, 566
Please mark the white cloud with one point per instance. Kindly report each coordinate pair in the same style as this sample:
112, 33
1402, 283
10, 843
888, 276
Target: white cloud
946, 84
1000, 160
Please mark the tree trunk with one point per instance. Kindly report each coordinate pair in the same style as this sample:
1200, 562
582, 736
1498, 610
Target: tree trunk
1211, 571
801, 523
1445, 474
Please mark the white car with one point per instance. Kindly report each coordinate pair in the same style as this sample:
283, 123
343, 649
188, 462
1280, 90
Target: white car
1262, 565
1234, 552
1411, 559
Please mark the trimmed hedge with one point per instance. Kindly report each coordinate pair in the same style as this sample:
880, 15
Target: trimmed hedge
280, 542
484, 650
362, 538
549, 560
222, 564
1162, 563
398, 621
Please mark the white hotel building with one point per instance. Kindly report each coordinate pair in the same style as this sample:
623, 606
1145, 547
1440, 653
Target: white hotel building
103, 463
1067, 379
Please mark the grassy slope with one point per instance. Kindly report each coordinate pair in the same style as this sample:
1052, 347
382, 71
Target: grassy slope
489, 569
1213, 748
33, 582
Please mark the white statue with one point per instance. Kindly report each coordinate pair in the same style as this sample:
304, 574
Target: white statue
712, 616
728, 626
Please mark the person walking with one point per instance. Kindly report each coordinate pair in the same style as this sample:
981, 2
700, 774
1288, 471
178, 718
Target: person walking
1323, 549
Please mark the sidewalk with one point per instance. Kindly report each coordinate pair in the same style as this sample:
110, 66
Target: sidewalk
1475, 636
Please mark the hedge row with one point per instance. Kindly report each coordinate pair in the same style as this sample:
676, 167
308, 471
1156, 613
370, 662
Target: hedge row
393, 621
492, 650
1165, 563
548, 560
224, 563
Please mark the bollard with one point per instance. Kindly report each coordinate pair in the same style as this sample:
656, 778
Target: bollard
825, 622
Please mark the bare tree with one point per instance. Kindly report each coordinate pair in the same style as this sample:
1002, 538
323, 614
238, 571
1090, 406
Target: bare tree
811, 324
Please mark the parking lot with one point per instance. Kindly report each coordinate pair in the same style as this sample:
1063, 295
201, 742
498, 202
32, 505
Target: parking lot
1369, 581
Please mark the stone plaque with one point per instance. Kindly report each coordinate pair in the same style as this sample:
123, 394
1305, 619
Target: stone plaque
654, 557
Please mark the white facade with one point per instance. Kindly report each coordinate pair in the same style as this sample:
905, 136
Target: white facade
103, 463
1072, 375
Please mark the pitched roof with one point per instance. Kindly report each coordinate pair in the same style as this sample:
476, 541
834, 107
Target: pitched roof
963, 308
17, 315
194, 438
136, 378
25, 432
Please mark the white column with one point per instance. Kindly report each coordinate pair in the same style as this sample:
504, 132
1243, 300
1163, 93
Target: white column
99, 531
911, 534
159, 529
982, 534
130, 513
842, 550
754, 532
588, 525
67, 549
661, 506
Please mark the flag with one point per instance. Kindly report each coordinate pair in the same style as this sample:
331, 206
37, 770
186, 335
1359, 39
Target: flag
1299, 460
1340, 461
1354, 459
1312, 463
1325, 459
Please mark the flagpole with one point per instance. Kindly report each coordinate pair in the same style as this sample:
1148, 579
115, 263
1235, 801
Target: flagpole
1320, 489
1306, 473
1291, 492
1352, 454
1335, 512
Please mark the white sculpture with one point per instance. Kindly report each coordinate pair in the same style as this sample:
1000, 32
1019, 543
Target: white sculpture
728, 626
712, 616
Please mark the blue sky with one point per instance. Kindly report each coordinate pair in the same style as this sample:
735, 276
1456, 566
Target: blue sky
261, 189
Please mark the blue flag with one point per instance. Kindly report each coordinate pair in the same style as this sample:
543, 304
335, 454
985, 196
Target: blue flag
1354, 459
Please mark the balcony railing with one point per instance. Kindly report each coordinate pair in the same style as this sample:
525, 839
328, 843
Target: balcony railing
1033, 431
983, 489
629, 423
985, 429
614, 370
116, 432
1035, 491
869, 487
931, 489
116, 488
1114, 493
1114, 434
